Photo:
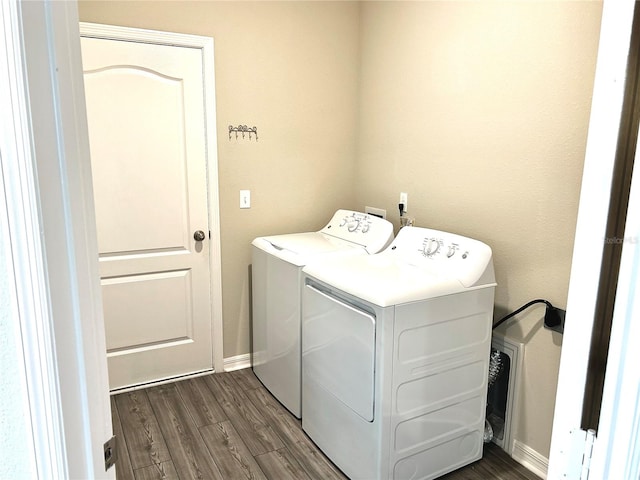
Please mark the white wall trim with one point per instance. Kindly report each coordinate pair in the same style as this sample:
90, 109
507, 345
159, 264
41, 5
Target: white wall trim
206, 45
158, 37
604, 122
19, 190
238, 362
529, 458
53, 242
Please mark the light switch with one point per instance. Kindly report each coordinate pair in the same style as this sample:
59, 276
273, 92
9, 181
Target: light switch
245, 198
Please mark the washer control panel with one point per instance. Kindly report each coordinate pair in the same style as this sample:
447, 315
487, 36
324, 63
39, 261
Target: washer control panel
356, 222
372, 232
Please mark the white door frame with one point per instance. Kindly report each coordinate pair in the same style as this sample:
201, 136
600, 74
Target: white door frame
46, 181
617, 17
616, 452
206, 45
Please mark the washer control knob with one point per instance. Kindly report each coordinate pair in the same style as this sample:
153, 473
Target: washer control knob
351, 222
452, 250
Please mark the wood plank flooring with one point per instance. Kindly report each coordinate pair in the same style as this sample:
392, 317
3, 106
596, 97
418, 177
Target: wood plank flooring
228, 426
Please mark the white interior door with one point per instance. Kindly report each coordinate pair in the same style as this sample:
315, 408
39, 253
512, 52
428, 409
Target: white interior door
147, 131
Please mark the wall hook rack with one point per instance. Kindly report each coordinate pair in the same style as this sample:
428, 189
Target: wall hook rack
243, 129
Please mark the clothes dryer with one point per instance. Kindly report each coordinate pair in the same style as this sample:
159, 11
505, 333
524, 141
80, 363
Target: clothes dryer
277, 263
395, 351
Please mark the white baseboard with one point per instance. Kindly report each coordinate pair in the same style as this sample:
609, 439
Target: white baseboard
529, 458
237, 362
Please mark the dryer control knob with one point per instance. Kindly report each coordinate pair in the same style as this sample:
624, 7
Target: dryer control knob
432, 247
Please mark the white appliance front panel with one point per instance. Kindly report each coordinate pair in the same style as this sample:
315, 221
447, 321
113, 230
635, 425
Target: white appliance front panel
338, 350
430, 380
276, 327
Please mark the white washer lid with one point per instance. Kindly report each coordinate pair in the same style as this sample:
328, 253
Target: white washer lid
300, 248
348, 232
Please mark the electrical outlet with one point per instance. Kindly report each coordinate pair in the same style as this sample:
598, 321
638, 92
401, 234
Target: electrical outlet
404, 198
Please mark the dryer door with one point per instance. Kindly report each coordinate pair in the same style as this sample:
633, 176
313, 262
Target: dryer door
338, 350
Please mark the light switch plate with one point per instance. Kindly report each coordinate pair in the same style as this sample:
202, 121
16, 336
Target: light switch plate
245, 198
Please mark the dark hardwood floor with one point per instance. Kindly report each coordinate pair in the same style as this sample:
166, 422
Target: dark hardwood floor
228, 426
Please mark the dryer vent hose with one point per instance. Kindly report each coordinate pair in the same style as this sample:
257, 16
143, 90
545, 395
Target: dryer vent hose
496, 365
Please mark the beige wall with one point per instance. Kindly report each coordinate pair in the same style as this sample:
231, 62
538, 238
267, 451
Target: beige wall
290, 69
479, 111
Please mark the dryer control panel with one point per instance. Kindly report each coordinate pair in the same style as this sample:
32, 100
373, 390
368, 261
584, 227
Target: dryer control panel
444, 253
372, 232
433, 246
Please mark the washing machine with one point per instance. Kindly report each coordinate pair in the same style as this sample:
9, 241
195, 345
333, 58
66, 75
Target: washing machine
277, 263
395, 353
